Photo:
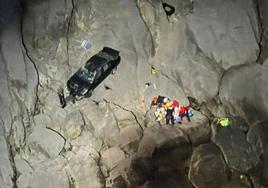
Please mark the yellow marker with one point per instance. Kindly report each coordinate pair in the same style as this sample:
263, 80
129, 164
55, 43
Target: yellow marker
153, 71
224, 122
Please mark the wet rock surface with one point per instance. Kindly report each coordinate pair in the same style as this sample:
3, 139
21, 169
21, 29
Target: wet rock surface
207, 50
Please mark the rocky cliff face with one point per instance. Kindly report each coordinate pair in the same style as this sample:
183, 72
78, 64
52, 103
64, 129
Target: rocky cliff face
214, 52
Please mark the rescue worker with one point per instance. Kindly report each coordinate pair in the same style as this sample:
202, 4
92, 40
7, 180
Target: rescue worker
160, 100
174, 104
157, 101
189, 111
62, 98
224, 122
167, 104
176, 115
169, 116
160, 113
154, 102
184, 112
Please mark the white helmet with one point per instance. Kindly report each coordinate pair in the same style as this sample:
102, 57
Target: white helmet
165, 100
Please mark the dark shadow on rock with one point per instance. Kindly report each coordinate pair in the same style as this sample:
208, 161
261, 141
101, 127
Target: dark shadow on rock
172, 153
119, 182
8, 12
264, 169
239, 122
167, 179
141, 170
258, 138
167, 167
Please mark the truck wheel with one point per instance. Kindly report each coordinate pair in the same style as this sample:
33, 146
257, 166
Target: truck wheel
114, 70
89, 93
79, 97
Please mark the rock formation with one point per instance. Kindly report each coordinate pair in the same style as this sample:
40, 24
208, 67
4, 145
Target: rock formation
212, 52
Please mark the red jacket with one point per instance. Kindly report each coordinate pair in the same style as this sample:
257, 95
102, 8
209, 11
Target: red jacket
182, 110
187, 107
174, 104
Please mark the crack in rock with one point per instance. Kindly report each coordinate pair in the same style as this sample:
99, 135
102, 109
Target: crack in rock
261, 28
11, 154
84, 123
127, 110
153, 52
15, 175
10, 140
250, 181
98, 163
71, 180
65, 141
68, 32
36, 110
28, 163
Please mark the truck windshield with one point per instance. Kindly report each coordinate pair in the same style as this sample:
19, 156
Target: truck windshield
86, 75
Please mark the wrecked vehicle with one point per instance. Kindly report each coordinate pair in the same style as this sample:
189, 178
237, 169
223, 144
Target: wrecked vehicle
95, 70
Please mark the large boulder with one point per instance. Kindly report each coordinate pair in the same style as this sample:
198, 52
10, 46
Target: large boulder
184, 64
83, 170
50, 174
128, 139
264, 176
112, 157
143, 172
69, 123
208, 168
228, 43
46, 142
73, 170
261, 6
166, 150
258, 138
199, 75
243, 91
237, 152
239, 180
126, 117
154, 137
141, 169
172, 154
100, 119
74, 125
150, 172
